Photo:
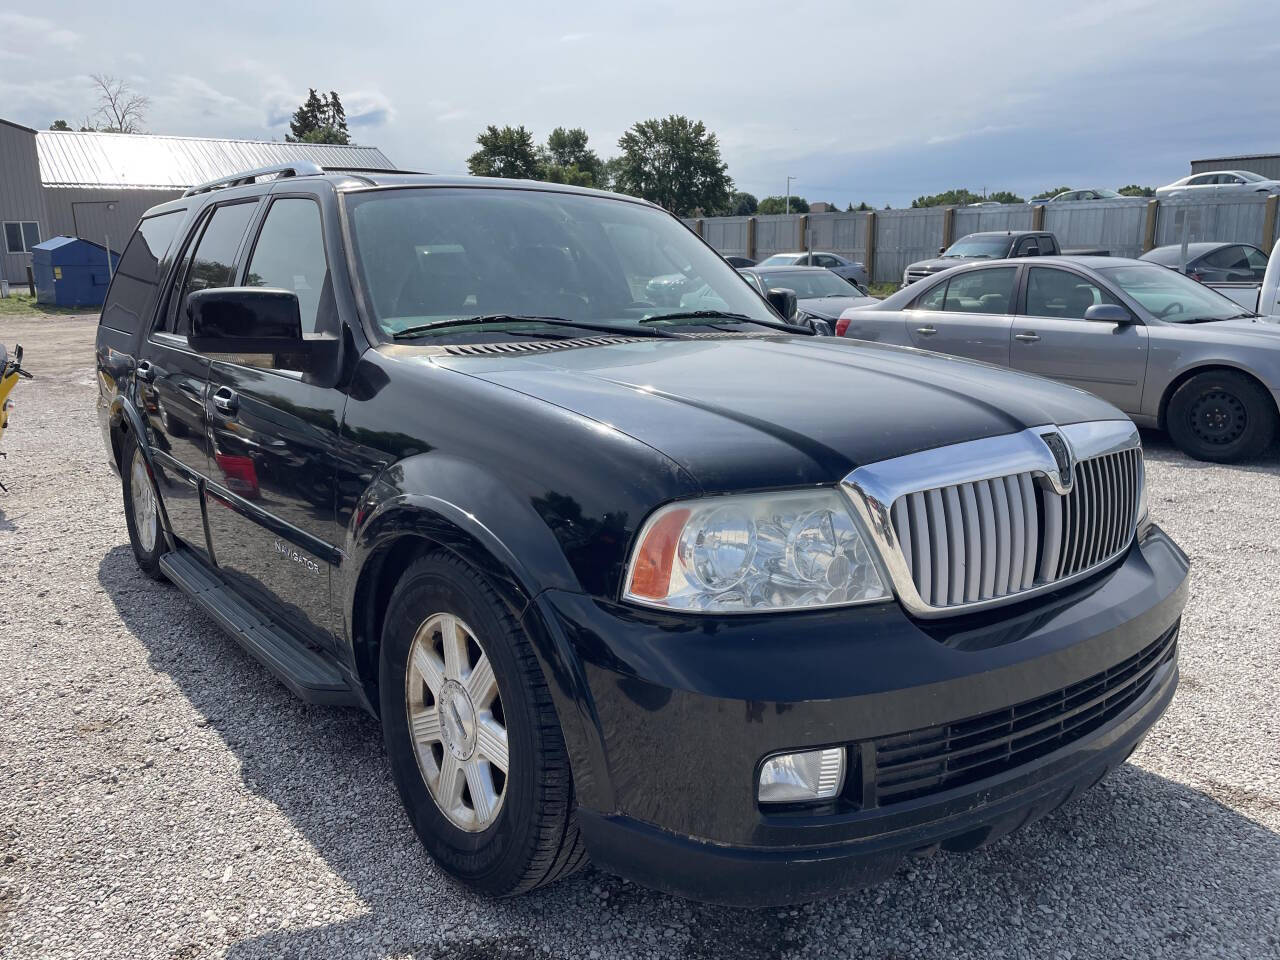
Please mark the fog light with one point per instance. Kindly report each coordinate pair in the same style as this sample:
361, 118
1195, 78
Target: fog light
796, 777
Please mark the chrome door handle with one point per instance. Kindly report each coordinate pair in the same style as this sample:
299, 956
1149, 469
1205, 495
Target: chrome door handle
225, 400
144, 371
926, 331
1027, 337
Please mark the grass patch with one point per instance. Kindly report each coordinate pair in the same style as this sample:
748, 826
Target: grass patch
882, 290
24, 305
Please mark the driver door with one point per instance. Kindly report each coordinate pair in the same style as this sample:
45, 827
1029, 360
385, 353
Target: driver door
968, 315
1052, 339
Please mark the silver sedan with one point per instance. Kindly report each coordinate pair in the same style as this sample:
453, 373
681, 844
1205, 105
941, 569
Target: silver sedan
1170, 352
1218, 183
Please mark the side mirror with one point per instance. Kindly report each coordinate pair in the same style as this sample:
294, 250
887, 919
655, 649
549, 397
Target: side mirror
941, 251
252, 320
783, 301
1108, 313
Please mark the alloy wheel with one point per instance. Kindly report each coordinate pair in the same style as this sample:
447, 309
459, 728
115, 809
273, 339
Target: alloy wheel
456, 722
146, 517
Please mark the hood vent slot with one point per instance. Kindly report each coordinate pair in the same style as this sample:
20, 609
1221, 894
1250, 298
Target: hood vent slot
534, 346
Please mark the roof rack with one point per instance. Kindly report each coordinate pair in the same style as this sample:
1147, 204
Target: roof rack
299, 168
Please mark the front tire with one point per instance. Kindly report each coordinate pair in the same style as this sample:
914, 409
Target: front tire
472, 736
1221, 416
141, 509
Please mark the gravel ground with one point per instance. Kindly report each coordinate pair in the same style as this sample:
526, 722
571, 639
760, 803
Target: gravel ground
161, 796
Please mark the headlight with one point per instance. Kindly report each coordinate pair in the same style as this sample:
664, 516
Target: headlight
768, 551
906, 277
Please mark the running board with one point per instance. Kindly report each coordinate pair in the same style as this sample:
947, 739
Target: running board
309, 674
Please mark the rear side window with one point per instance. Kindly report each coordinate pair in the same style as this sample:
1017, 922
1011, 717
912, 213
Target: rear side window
1049, 245
133, 287
289, 255
981, 291
213, 262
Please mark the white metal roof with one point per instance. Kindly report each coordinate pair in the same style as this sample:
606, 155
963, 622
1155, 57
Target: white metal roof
70, 159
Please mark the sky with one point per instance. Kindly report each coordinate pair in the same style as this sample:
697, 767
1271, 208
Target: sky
877, 102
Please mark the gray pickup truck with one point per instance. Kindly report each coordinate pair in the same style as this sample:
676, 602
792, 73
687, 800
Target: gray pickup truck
993, 245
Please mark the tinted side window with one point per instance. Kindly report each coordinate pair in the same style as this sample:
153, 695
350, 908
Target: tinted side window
212, 264
1049, 246
981, 291
138, 273
1228, 258
289, 255
1257, 261
1061, 294
1027, 247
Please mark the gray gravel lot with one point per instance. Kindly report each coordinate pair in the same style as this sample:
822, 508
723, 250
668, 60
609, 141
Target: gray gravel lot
161, 796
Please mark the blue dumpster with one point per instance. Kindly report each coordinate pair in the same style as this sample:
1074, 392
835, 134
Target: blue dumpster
71, 272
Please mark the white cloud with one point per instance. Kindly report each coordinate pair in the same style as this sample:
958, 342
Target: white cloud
18, 30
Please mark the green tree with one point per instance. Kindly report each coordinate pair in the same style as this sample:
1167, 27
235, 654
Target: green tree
1005, 196
858, 209
1133, 190
59, 125
320, 119
1051, 192
568, 159
674, 162
741, 204
778, 204
949, 198
506, 152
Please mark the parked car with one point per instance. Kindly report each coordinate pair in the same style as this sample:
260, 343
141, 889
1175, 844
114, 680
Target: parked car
1213, 262
1168, 351
851, 270
1093, 193
991, 245
1219, 183
820, 294
1232, 271
673, 592
738, 262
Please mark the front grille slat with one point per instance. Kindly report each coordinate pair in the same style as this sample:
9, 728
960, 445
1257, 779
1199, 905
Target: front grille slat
922, 762
988, 539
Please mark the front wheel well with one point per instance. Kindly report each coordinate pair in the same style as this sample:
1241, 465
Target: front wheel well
1186, 375
377, 582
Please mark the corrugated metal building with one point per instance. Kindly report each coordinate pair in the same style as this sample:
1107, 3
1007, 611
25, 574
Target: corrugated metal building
1263, 164
97, 185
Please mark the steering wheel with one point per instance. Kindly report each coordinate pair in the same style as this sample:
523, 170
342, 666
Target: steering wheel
1175, 307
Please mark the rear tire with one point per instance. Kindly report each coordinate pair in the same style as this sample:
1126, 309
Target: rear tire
141, 509
532, 839
1221, 416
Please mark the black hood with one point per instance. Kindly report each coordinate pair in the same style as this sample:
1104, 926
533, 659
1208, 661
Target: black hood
830, 308
743, 413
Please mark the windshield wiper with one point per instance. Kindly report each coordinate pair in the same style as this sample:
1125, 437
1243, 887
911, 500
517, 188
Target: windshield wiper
424, 329
1234, 316
723, 315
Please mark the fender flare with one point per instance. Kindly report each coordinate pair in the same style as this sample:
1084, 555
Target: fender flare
122, 410
473, 514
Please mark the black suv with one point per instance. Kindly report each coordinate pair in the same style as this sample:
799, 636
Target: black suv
619, 579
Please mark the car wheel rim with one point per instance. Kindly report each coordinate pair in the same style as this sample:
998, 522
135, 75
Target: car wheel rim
145, 516
1218, 418
456, 722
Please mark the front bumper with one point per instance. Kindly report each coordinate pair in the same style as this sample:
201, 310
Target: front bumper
678, 712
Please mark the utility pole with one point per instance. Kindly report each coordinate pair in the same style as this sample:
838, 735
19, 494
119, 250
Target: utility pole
789, 179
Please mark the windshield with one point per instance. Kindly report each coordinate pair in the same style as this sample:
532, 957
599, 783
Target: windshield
1170, 295
781, 260
438, 254
988, 248
810, 284
1251, 177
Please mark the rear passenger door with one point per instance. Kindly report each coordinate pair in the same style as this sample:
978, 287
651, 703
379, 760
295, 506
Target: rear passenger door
274, 432
968, 315
1051, 338
172, 379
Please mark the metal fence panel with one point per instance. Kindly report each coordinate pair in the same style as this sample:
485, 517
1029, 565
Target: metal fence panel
1005, 217
1231, 219
778, 233
727, 234
1117, 226
904, 236
842, 233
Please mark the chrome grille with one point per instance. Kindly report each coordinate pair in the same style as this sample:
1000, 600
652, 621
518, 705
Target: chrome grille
987, 539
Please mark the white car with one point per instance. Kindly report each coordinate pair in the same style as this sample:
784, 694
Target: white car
1218, 183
